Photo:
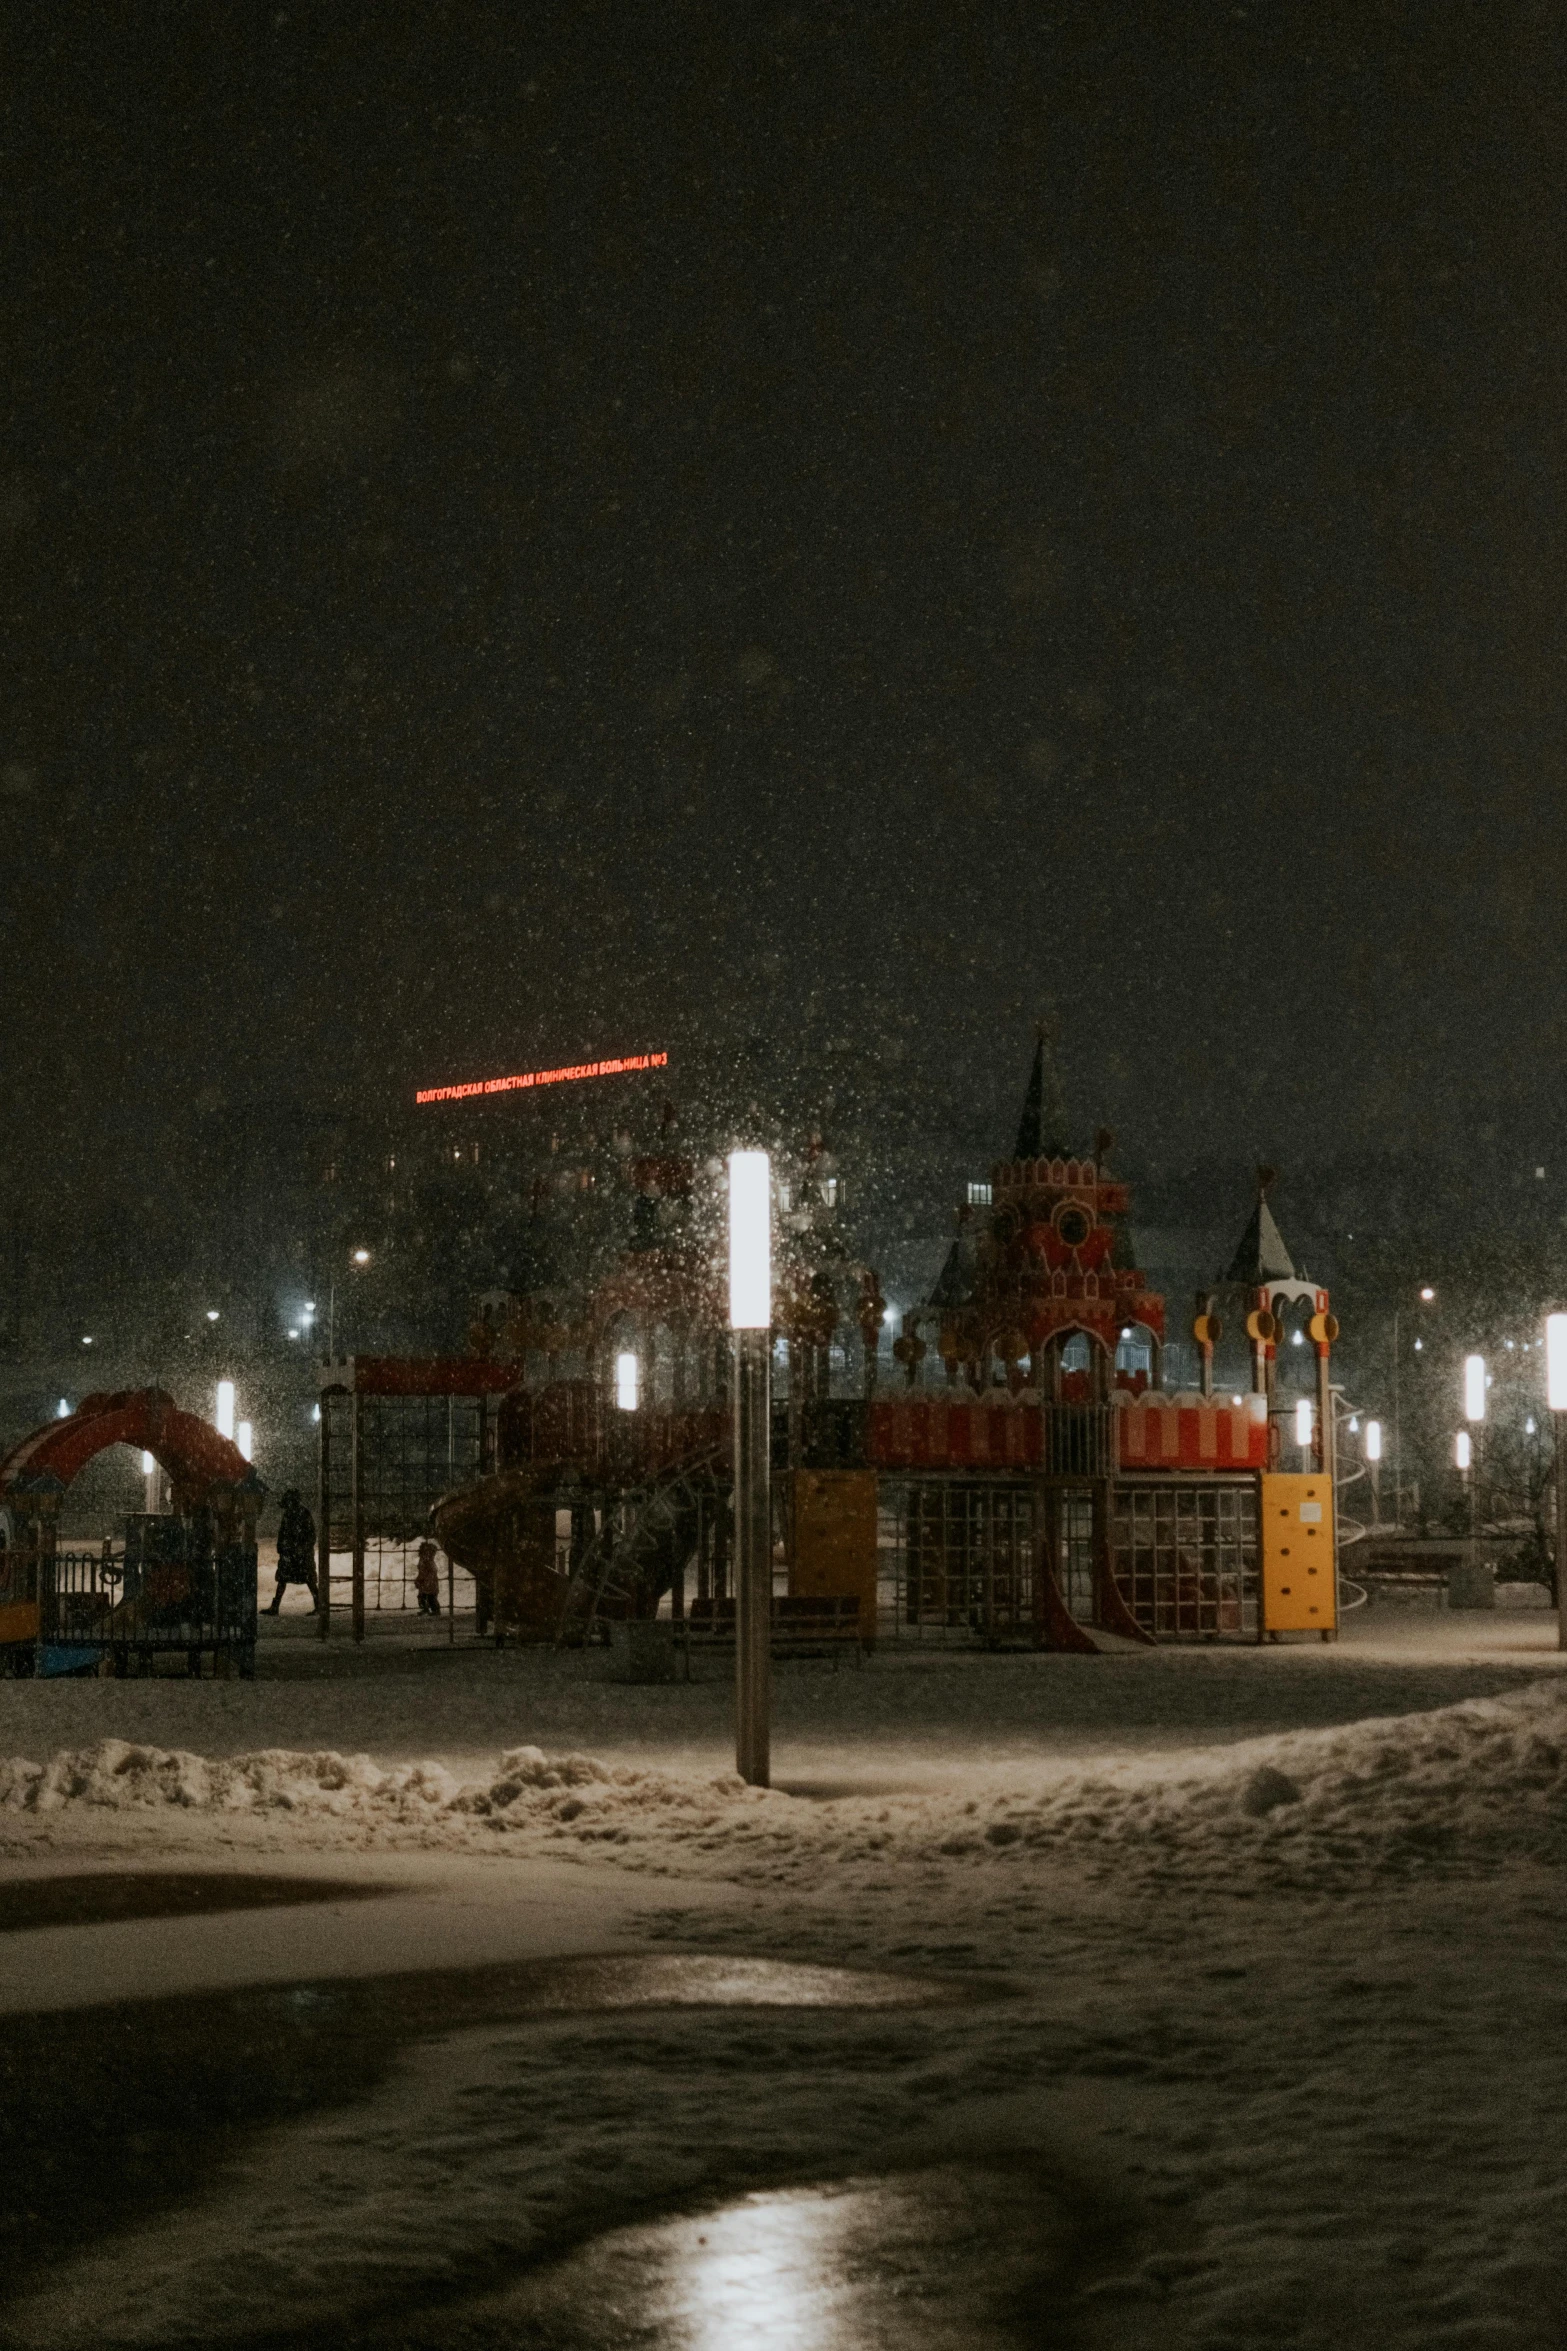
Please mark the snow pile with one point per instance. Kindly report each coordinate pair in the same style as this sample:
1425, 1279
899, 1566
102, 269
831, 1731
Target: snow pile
558, 1793
1467, 1783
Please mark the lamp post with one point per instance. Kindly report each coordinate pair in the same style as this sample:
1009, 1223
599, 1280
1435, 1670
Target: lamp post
1556, 1396
750, 1320
1474, 1413
1374, 1464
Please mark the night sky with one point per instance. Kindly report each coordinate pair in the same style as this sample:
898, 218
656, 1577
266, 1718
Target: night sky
532, 532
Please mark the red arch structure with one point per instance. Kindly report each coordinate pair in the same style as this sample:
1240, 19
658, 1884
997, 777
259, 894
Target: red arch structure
201, 1466
207, 1473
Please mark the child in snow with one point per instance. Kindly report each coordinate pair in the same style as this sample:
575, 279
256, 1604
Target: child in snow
427, 1581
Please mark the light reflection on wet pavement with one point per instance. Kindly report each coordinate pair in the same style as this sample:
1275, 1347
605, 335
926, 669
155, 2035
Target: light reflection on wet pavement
157, 2091
927, 2254
941, 2259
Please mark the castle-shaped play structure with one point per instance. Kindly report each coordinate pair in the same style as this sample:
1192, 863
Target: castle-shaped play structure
1019, 1475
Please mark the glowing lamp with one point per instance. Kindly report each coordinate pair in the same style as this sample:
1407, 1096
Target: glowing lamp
212, 1314
225, 1416
626, 1382
148, 1465
1556, 1361
361, 1257
1474, 1387
750, 1241
1428, 1295
62, 1410
1373, 1440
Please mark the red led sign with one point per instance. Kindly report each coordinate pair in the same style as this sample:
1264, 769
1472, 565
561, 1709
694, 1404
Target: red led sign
542, 1077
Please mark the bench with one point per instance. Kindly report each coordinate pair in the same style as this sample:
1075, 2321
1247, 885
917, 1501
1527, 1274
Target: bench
823, 1625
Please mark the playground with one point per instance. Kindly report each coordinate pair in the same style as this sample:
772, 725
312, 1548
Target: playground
1140, 1941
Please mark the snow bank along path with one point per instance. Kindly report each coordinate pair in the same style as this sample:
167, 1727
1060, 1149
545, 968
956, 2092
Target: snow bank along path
1454, 1789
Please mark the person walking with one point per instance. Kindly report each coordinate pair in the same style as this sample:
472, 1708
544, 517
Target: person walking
296, 1551
427, 1580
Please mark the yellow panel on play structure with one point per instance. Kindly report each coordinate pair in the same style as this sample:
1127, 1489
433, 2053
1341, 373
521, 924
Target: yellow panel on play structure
834, 1539
1299, 1589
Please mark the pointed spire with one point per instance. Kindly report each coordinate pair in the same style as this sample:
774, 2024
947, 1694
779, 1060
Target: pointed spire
1261, 1255
1041, 1132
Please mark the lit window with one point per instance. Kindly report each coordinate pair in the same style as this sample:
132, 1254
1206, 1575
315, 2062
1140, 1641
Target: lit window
830, 1191
979, 1195
626, 1382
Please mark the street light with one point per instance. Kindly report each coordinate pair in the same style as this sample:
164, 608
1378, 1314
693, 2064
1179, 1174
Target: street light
1373, 1448
225, 1413
212, 1314
750, 1319
1556, 1397
1474, 1387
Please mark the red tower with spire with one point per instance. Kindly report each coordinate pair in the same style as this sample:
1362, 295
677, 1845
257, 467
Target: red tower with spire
1049, 1260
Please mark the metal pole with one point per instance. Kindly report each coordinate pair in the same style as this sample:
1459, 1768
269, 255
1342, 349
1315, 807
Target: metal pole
753, 1557
1398, 1429
357, 1512
324, 1519
1560, 1418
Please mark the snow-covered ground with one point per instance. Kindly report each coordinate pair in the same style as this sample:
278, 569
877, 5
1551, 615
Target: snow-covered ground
1260, 1956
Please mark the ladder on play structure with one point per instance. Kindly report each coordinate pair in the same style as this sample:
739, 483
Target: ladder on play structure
607, 1575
